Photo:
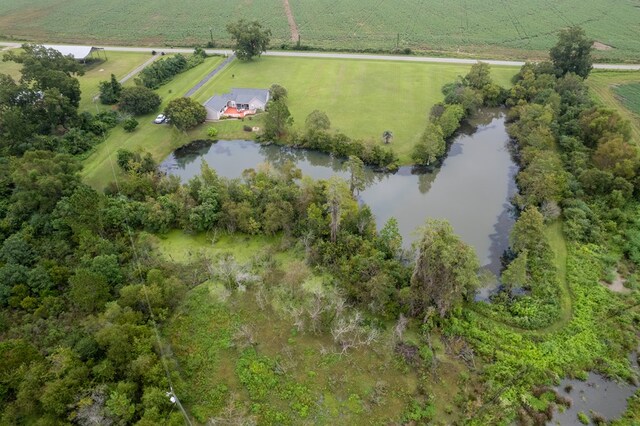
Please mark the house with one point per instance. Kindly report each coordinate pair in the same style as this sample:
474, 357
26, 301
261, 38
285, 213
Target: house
237, 104
79, 53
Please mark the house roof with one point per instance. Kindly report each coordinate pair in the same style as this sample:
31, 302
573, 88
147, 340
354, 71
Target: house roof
78, 52
216, 102
247, 95
243, 96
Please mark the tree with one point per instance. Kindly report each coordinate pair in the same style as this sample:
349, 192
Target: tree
572, 52
387, 135
110, 91
317, 120
516, 273
445, 272
618, 157
44, 68
430, 146
357, 178
139, 100
129, 124
449, 119
528, 233
335, 194
250, 39
277, 92
89, 290
479, 76
277, 119
185, 113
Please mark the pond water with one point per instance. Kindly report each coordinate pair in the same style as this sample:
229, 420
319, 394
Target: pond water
471, 189
598, 394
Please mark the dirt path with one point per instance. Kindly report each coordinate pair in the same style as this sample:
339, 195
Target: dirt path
295, 34
138, 69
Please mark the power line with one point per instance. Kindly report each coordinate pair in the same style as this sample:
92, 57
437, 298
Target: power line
173, 395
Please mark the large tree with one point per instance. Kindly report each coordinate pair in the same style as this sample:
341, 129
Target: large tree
139, 100
185, 113
277, 119
250, 39
445, 271
572, 52
430, 147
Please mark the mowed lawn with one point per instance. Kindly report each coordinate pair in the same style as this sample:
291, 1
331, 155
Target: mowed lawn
606, 86
363, 98
159, 140
117, 63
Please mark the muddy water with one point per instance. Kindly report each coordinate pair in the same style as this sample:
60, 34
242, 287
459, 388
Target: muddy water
471, 189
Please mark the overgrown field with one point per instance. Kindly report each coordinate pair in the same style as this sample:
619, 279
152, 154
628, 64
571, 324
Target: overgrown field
242, 354
501, 28
362, 98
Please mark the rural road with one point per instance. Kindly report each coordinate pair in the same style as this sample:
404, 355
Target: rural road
613, 67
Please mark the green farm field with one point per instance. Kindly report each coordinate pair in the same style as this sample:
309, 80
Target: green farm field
629, 94
515, 28
620, 91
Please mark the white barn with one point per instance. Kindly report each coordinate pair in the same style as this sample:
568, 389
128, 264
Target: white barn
238, 103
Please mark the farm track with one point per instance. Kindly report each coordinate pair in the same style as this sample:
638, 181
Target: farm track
295, 34
289, 54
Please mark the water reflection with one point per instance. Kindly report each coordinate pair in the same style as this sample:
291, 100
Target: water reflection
471, 188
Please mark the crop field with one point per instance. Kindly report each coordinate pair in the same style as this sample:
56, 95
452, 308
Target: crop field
501, 28
134, 22
362, 98
468, 26
619, 90
629, 94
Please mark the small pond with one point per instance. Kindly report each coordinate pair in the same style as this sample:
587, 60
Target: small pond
471, 189
605, 397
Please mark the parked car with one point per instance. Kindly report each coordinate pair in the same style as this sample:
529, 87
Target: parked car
160, 119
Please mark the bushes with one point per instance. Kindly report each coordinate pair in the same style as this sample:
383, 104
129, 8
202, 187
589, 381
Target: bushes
163, 70
129, 124
139, 100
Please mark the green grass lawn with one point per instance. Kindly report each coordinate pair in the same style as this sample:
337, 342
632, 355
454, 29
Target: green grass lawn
606, 86
159, 140
117, 63
362, 98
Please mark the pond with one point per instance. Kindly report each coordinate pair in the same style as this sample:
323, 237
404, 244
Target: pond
471, 189
596, 394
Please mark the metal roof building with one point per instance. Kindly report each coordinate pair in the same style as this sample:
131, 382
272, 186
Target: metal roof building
79, 53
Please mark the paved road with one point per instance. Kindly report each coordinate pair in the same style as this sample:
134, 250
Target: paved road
617, 67
209, 76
